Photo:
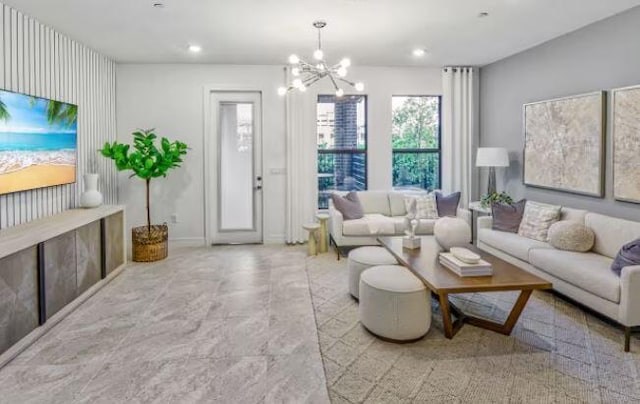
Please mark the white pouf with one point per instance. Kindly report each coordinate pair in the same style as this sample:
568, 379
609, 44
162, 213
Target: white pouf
363, 258
394, 303
452, 232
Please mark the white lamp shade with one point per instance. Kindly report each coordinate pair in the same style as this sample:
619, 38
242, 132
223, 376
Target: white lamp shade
492, 157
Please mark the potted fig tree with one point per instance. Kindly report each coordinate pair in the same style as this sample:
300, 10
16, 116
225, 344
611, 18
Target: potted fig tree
147, 161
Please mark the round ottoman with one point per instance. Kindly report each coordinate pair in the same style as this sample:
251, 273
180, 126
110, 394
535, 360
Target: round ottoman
394, 304
363, 258
452, 232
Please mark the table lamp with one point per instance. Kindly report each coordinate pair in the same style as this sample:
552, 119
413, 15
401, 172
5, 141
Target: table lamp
492, 157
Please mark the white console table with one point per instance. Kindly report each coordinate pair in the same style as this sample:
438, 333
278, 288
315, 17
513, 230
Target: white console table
51, 265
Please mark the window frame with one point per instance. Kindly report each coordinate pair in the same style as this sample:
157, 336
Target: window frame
437, 151
364, 151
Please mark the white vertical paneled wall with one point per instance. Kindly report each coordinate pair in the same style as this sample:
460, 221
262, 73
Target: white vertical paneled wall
37, 60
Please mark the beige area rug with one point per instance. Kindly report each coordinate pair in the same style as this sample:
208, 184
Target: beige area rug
556, 354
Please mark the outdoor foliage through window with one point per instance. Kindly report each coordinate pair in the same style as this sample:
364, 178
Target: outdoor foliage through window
416, 142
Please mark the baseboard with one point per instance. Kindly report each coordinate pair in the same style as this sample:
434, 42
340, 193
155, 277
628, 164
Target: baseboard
187, 242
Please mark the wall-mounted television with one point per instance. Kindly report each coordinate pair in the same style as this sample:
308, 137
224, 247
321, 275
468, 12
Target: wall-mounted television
38, 142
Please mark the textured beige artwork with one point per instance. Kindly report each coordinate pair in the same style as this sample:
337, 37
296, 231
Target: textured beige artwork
564, 143
626, 144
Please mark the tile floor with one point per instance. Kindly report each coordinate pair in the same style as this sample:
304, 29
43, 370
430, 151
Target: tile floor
229, 324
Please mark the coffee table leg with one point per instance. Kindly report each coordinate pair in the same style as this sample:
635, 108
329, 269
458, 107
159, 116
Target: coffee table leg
508, 325
451, 327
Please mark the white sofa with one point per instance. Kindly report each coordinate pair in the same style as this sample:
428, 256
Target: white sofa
584, 277
384, 214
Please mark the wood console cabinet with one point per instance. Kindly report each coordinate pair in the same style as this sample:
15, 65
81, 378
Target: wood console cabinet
48, 263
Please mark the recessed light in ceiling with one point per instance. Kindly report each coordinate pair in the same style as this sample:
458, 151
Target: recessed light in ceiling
195, 48
419, 52
483, 14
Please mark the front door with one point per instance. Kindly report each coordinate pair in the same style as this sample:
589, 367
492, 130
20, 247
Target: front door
237, 178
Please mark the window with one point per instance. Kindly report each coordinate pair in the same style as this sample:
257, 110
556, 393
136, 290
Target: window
342, 145
416, 142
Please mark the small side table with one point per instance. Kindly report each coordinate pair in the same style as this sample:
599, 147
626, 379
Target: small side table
313, 229
322, 218
477, 209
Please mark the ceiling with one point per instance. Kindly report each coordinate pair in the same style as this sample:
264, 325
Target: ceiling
371, 32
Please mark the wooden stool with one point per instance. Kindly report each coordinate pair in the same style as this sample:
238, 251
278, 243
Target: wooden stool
313, 229
322, 218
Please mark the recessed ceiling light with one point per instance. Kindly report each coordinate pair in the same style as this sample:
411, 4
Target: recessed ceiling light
483, 14
158, 5
419, 52
195, 48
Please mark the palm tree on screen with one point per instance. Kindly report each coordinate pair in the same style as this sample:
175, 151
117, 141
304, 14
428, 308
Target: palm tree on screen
62, 113
4, 112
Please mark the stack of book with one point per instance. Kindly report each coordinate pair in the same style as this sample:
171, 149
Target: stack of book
460, 268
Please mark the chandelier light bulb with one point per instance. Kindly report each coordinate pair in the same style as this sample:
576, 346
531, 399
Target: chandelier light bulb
282, 90
359, 86
295, 71
297, 83
346, 62
339, 92
320, 66
318, 54
294, 59
302, 88
342, 71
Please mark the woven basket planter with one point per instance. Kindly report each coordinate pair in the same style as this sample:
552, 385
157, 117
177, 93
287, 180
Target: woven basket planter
150, 244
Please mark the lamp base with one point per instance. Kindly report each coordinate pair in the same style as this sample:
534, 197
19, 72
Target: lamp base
491, 188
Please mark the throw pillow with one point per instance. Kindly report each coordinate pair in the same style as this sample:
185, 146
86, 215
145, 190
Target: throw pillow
348, 205
425, 206
571, 236
447, 205
537, 219
507, 217
629, 255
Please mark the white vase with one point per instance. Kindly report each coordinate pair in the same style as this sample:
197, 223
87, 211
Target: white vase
91, 197
452, 232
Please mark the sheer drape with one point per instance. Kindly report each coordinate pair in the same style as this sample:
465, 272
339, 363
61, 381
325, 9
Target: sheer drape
460, 132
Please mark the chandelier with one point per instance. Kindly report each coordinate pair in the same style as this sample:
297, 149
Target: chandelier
306, 74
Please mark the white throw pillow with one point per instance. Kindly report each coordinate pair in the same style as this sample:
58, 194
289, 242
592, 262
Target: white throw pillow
571, 236
425, 206
537, 219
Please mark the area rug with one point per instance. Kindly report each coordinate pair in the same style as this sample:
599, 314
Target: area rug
557, 353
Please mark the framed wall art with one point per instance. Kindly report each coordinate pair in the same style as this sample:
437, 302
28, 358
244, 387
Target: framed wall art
564, 144
626, 144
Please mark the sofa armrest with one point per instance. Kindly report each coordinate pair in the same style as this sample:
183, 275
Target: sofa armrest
335, 221
464, 214
485, 222
629, 296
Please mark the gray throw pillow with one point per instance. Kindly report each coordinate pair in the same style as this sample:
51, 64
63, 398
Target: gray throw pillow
507, 217
629, 255
348, 205
447, 205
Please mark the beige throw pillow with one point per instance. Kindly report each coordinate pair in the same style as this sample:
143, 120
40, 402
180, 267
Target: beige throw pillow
571, 236
425, 206
537, 219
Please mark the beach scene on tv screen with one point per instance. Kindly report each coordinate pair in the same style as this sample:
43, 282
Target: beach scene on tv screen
38, 140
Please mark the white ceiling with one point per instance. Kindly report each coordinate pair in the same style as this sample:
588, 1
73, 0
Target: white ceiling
371, 32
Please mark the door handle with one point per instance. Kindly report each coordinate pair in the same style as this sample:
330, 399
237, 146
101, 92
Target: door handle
258, 187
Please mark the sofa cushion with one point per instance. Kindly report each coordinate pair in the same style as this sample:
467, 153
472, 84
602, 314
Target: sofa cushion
537, 219
396, 203
571, 236
425, 226
348, 205
375, 202
588, 271
370, 226
507, 217
629, 255
447, 204
611, 233
510, 243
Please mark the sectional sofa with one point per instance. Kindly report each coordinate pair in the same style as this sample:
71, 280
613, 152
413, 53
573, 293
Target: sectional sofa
384, 214
584, 277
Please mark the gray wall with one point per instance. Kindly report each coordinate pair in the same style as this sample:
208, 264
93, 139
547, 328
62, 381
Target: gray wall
37, 60
601, 56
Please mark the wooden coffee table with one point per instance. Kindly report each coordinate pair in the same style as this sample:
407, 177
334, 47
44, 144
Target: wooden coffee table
423, 262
